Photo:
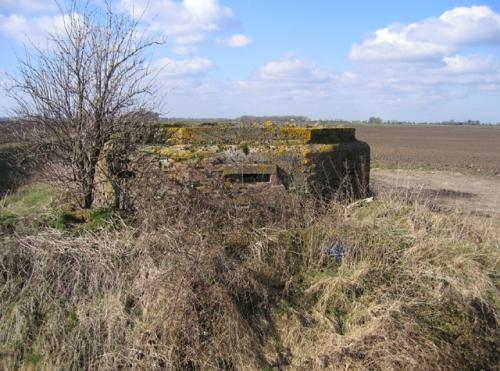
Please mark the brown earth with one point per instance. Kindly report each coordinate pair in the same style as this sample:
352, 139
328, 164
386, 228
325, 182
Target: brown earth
467, 149
446, 166
476, 194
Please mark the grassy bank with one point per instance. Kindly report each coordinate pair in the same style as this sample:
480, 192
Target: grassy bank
202, 282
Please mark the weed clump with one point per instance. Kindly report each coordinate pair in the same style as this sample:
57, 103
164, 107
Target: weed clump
200, 281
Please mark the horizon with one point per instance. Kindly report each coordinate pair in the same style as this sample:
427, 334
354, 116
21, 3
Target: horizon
428, 62
297, 118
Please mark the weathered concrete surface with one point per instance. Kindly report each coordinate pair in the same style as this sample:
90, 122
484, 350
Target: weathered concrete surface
324, 161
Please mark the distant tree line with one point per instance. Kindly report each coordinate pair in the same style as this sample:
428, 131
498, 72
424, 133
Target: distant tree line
277, 119
303, 119
292, 118
378, 120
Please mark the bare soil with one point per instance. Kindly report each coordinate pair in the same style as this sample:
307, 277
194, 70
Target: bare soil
466, 149
446, 166
477, 194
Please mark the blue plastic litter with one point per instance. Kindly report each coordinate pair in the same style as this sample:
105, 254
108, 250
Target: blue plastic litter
336, 251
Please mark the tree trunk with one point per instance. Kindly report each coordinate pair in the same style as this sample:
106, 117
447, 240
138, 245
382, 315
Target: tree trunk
88, 189
88, 197
117, 196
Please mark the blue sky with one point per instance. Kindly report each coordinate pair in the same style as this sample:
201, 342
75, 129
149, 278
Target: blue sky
425, 60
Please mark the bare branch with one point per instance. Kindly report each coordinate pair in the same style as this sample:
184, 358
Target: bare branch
89, 88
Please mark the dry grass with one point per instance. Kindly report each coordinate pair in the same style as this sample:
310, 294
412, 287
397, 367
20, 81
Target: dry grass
202, 282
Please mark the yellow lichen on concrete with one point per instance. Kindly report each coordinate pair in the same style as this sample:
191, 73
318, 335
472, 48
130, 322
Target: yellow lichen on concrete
295, 133
253, 135
311, 158
325, 147
177, 135
182, 152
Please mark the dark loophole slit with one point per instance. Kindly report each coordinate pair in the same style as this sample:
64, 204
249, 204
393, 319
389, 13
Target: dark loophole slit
248, 178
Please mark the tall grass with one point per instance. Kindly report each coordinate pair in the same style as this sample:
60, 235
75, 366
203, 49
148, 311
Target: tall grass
205, 281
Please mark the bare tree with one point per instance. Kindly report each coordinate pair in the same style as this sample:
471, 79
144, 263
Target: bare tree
84, 90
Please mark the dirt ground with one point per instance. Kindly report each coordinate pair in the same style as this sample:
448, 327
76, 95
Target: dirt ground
466, 149
448, 166
477, 194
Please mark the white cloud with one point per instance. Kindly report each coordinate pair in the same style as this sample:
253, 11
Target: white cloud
451, 73
292, 85
27, 6
236, 41
35, 29
462, 26
433, 37
182, 69
292, 69
185, 23
428, 63
393, 44
459, 64
184, 49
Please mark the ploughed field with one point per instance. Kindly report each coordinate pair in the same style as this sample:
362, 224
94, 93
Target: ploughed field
466, 149
451, 167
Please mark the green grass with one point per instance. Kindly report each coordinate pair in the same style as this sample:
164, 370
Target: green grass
101, 217
38, 205
67, 219
29, 208
94, 219
36, 195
